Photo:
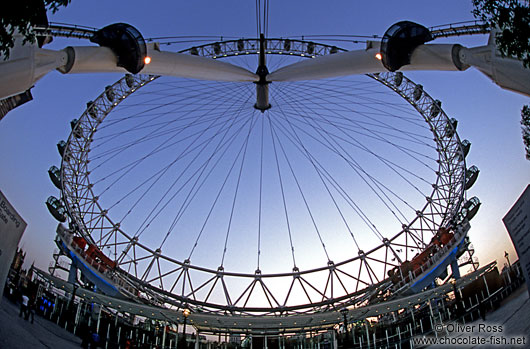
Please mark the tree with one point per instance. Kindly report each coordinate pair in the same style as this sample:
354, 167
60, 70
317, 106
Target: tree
525, 122
512, 18
21, 15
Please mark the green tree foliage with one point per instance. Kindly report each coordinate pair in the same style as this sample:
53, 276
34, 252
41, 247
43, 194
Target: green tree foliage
512, 18
20, 15
525, 122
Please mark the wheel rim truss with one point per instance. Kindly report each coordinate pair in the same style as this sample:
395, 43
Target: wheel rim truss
140, 267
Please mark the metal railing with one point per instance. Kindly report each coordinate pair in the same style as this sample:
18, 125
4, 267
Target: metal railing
460, 28
65, 30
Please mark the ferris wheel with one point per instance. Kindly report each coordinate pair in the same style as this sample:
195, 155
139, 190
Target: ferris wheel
309, 187
186, 190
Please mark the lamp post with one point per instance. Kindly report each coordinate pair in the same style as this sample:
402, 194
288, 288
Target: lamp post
72, 299
186, 312
508, 259
457, 298
344, 312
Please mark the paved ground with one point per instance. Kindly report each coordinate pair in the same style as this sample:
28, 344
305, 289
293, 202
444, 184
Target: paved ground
511, 320
513, 316
15, 332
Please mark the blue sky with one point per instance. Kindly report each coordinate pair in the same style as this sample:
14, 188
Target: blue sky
488, 116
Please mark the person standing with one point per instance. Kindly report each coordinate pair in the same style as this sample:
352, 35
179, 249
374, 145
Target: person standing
31, 309
24, 306
482, 310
